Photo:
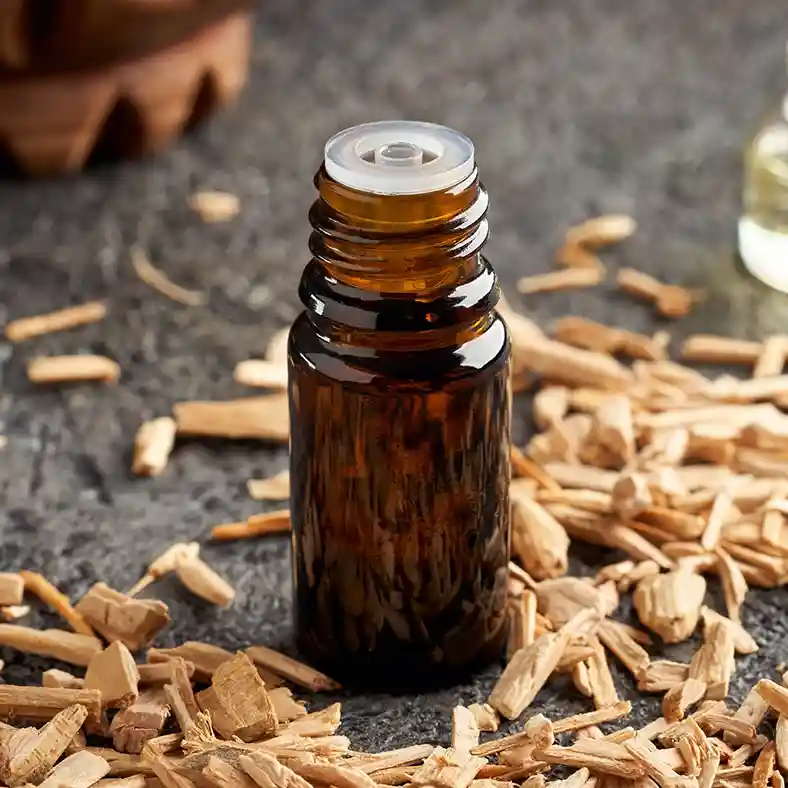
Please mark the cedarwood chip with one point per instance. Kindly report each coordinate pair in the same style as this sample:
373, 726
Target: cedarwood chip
563, 279
114, 674
526, 673
224, 775
539, 541
671, 301
132, 727
12, 587
80, 770
743, 642
215, 206
669, 604
714, 661
180, 696
632, 655
611, 442
60, 320
159, 281
165, 563
238, 702
662, 675
291, 669
678, 699
580, 332
37, 584
258, 418
205, 657
118, 616
603, 690
334, 775
203, 581
317, 724
655, 767
73, 369
485, 715
602, 231
464, 730
752, 712
781, 741
257, 525
764, 766
734, 586
260, 373
597, 755
153, 445
447, 768
775, 695
268, 772
720, 350
573, 366
60, 679
529, 668
274, 488
33, 760
68, 647
286, 707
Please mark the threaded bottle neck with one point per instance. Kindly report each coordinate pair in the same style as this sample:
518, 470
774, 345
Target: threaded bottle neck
399, 262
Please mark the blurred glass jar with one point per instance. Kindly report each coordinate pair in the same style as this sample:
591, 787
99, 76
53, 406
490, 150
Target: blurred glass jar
763, 226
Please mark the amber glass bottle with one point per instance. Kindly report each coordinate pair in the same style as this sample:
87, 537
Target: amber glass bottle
399, 404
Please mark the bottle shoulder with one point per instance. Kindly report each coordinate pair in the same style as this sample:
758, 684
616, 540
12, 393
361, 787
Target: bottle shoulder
408, 359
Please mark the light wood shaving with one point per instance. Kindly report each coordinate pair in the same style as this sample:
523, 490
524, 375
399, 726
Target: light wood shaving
60, 320
118, 616
258, 418
12, 587
203, 581
215, 206
73, 369
569, 278
159, 281
274, 488
260, 373
257, 525
153, 445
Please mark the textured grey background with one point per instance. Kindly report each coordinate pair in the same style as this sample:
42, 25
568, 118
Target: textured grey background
575, 108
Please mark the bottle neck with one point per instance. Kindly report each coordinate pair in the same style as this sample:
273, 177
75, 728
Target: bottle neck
400, 263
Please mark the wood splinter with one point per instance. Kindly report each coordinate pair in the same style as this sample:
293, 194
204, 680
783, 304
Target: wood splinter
167, 562
118, 616
61, 320
153, 445
277, 522
671, 300
73, 369
563, 279
203, 581
265, 418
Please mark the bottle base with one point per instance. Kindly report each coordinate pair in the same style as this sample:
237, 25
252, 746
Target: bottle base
764, 253
400, 672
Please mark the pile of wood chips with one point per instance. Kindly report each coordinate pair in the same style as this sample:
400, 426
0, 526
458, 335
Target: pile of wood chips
686, 475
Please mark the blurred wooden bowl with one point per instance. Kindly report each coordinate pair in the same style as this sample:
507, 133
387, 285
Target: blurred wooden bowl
73, 34
54, 122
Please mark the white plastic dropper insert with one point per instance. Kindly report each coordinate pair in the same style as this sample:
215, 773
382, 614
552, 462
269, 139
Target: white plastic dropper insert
397, 157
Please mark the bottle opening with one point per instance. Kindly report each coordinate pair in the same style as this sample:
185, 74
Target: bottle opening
399, 157
399, 154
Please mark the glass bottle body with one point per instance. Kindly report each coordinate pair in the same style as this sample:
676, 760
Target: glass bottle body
400, 403
763, 227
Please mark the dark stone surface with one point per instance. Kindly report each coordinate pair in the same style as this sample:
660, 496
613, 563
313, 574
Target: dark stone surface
575, 109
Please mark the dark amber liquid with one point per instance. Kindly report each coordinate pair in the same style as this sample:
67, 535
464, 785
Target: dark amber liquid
400, 402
